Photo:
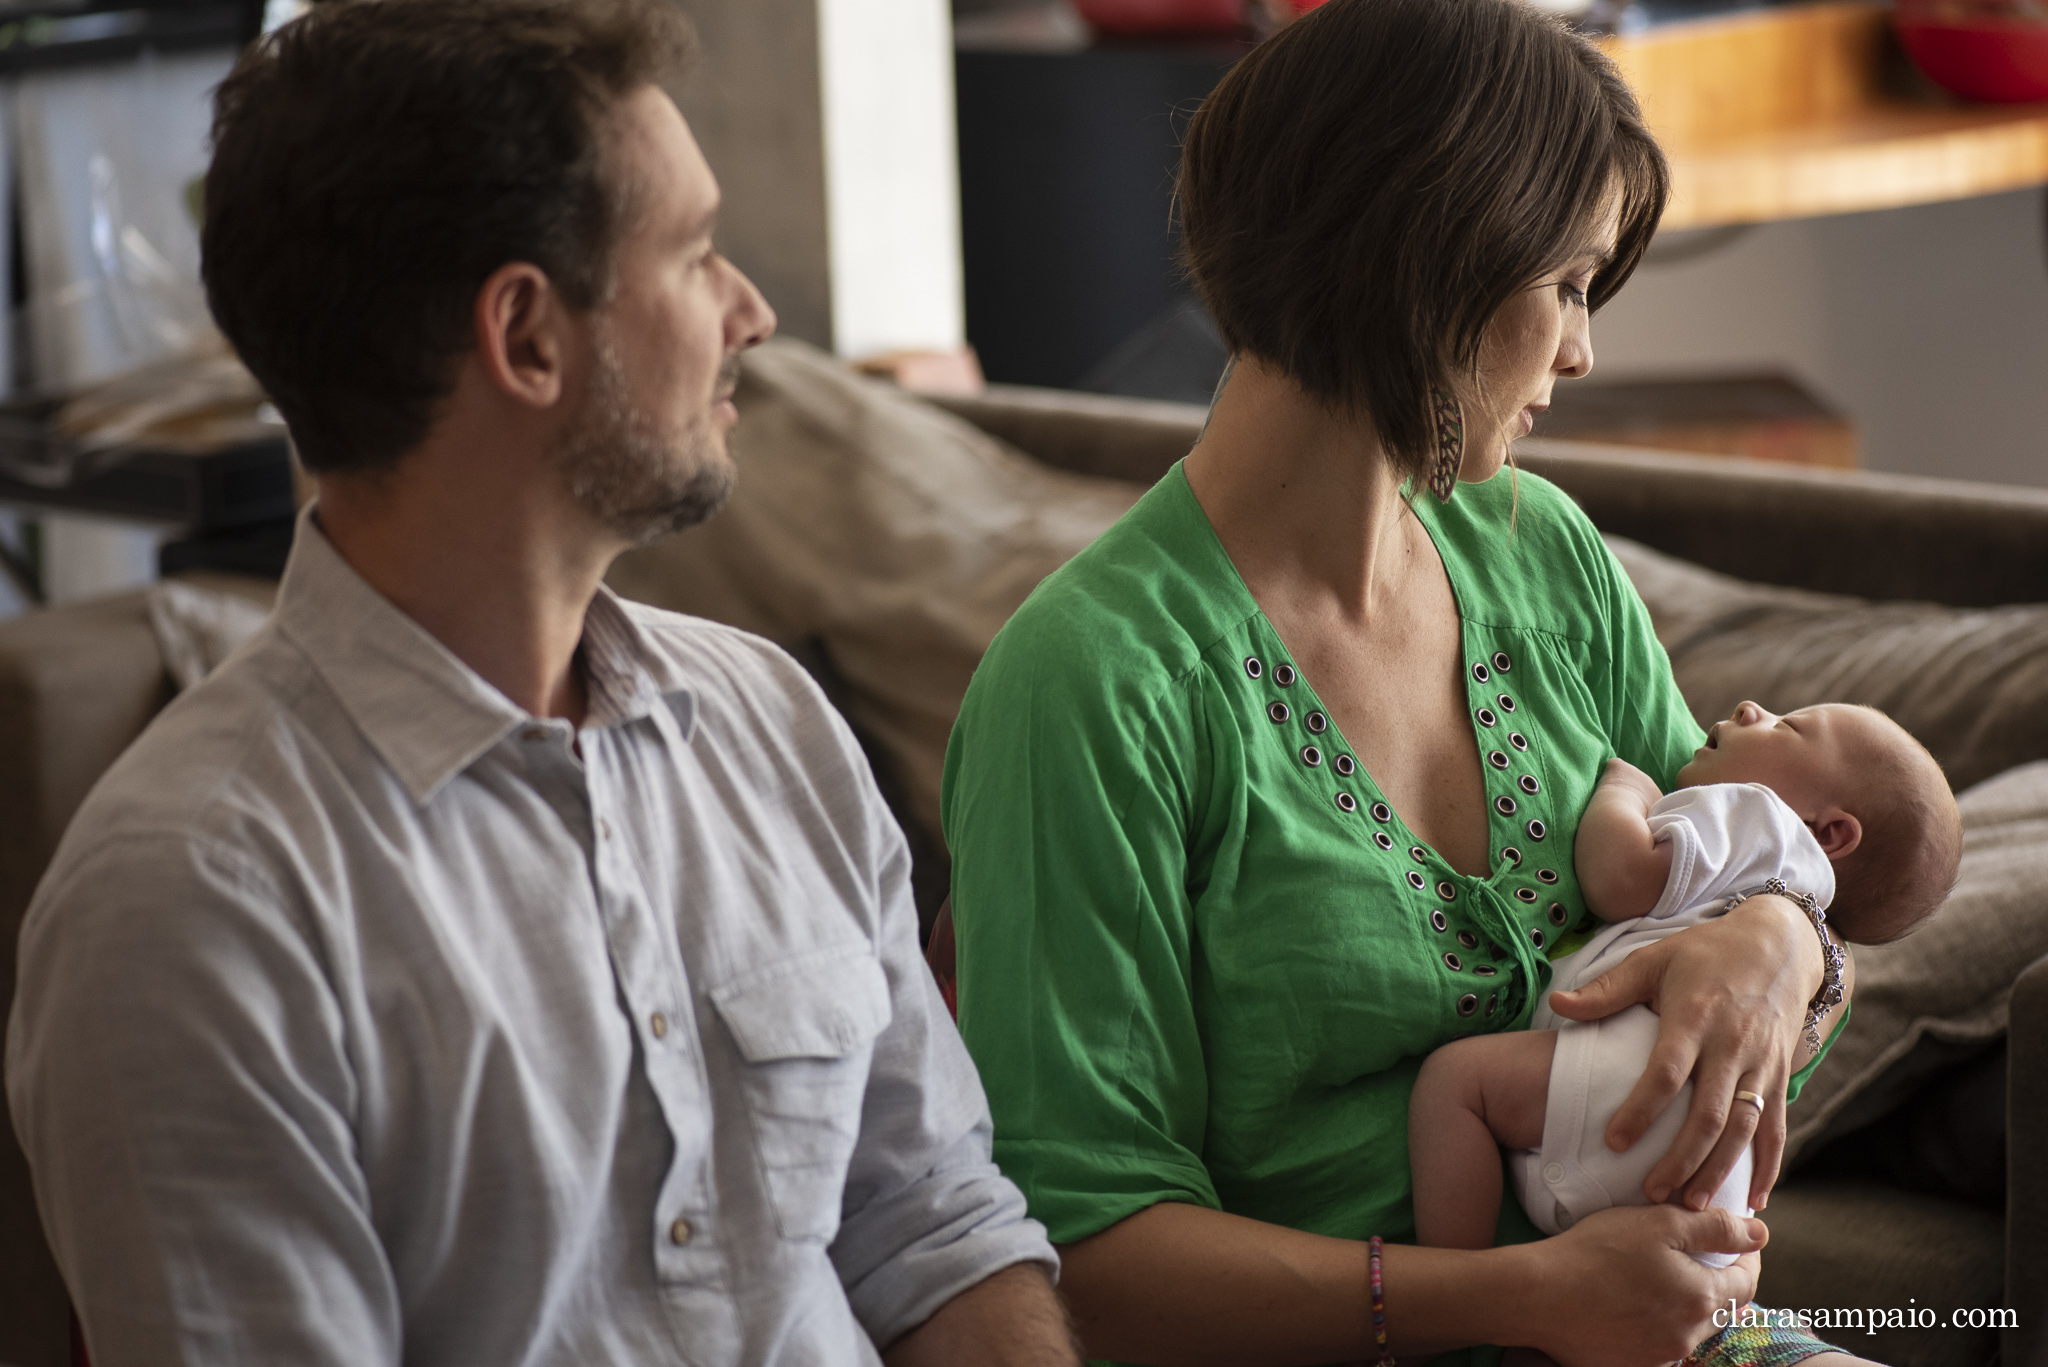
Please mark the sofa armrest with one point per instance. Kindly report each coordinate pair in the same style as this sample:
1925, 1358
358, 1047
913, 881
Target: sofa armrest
2026, 1180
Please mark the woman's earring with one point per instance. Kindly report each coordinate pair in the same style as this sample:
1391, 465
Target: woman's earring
1449, 419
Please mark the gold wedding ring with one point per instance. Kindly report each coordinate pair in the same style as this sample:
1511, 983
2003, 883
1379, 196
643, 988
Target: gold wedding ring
1752, 1098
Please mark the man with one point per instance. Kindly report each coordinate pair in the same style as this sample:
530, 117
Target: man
480, 969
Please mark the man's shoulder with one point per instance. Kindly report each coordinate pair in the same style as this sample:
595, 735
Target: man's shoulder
728, 668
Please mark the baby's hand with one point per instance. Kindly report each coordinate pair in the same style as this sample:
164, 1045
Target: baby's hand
1622, 775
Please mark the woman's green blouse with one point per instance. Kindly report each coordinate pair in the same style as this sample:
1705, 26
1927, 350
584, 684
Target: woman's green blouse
1200, 955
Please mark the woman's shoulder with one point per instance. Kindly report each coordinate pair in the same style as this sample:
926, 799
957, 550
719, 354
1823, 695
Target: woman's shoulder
1134, 612
1525, 555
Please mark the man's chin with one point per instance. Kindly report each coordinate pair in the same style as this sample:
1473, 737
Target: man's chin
698, 500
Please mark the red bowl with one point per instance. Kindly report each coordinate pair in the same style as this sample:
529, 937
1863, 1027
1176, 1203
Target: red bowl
1978, 56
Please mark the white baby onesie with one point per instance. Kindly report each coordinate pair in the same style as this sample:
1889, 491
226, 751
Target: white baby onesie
1726, 840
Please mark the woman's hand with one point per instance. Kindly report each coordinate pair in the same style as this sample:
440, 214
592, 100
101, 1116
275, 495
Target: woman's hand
1618, 1289
1732, 996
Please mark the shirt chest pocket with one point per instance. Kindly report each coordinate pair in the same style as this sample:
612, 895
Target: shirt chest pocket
805, 1029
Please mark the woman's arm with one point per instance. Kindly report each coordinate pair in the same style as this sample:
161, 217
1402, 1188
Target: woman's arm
1732, 994
1186, 1286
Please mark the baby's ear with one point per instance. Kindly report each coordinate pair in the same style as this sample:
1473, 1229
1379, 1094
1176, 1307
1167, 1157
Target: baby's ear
1838, 832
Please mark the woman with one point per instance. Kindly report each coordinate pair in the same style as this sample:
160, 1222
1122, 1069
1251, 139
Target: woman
1273, 789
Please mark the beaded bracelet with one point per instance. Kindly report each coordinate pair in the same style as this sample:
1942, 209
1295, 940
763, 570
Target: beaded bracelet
1379, 1301
1832, 954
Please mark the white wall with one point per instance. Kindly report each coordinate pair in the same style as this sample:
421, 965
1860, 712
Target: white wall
830, 126
1928, 326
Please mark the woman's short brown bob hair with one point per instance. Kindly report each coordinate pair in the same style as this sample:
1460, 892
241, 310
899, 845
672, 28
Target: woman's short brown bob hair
1366, 189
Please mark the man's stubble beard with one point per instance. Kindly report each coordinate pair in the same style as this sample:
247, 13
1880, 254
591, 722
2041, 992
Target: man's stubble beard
629, 473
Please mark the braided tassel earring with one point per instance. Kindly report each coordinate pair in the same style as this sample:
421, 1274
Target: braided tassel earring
1449, 418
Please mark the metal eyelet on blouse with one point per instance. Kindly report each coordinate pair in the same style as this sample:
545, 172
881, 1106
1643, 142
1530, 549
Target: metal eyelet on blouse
1546, 875
1507, 704
1278, 711
1528, 784
1480, 673
1537, 936
1492, 1000
1311, 756
1417, 881
1511, 854
1383, 840
1558, 915
1537, 830
1418, 854
1500, 662
1518, 740
1468, 1003
1317, 723
1382, 812
1346, 803
1497, 758
1447, 890
1439, 922
1468, 939
1504, 805
1486, 717
1453, 962
1526, 894
1284, 675
1345, 765
1252, 668
1485, 970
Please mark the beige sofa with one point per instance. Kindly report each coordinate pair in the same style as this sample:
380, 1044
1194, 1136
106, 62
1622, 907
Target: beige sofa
894, 646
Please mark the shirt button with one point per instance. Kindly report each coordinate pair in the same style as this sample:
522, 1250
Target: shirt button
659, 1025
679, 1233
1553, 1173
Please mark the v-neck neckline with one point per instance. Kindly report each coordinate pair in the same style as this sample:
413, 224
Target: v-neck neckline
1494, 871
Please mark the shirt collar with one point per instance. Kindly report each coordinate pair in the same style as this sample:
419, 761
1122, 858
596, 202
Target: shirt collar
428, 715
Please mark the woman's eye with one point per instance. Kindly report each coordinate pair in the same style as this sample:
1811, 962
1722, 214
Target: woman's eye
1571, 293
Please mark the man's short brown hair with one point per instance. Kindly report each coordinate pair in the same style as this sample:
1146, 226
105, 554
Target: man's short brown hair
376, 161
1364, 191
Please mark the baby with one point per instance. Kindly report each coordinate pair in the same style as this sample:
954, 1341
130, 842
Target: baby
1837, 802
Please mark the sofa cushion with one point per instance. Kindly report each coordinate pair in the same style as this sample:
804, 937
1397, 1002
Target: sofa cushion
1970, 683
900, 536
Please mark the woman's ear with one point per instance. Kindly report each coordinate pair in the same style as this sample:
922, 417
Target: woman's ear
1838, 832
519, 322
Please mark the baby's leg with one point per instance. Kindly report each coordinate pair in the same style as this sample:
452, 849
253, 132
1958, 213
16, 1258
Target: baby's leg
1473, 1097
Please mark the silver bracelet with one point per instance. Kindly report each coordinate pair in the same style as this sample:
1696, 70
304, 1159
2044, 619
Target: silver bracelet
1833, 955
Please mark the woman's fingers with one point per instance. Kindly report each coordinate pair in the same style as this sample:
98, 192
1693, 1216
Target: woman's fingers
1633, 980
1637, 1294
1769, 1145
1744, 1116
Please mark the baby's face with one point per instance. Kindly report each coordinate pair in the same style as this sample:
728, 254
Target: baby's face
1805, 757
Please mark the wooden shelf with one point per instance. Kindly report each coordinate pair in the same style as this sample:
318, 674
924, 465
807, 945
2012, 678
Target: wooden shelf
1781, 113
1882, 158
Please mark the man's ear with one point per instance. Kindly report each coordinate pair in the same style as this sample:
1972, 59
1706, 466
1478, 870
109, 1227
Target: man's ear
1838, 832
520, 325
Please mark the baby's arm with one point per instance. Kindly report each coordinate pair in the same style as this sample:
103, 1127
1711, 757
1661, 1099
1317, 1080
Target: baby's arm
1473, 1097
1622, 869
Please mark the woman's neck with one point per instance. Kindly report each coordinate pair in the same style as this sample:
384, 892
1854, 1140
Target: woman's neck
1303, 499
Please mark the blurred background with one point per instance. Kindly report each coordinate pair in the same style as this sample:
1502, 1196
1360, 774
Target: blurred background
1854, 271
